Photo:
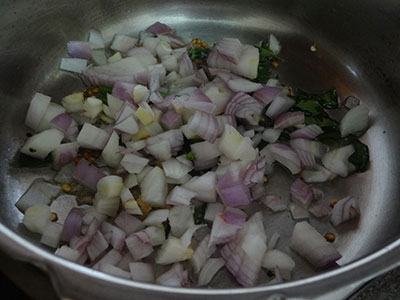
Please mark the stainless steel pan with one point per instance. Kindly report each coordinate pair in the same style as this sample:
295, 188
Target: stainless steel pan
357, 52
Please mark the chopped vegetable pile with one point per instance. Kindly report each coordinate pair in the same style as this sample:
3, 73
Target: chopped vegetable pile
160, 156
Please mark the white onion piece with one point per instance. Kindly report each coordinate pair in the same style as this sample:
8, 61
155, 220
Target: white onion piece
154, 188
125, 261
62, 205
276, 258
212, 266
111, 152
53, 110
73, 102
229, 142
317, 148
218, 92
67, 125
156, 235
204, 186
289, 119
112, 257
128, 125
243, 85
248, 62
180, 196
172, 251
243, 256
139, 245
106, 205
230, 49
255, 172
271, 135
110, 186
212, 210
222, 231
156, 217
133, 163
186, 66
301, 193
161, 150
151, 43
113, 235
286, 156
355, 121
41, 144
142, 272
37, 109
175, 169
336, 160
205, 125
128, 223
123, 70
171, 120
186, 238
204, 151
180, 219
344, 210
279, 105
308, 132
122, 43
320, 175
307, 159
244, 107
92, 137
96, 39
37, 217
310, 244
96, 246
76, 65
176, 276
202, 253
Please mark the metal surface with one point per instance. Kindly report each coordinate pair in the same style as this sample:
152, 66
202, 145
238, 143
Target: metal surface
357, 52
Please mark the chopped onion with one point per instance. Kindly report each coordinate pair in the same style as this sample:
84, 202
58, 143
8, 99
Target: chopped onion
244, 255
286, 156
202, 253
96, 246
41, 144
336, 160
355, 121
113, 270
37, 109
289, 119
96, 39
243, 85
279, 105
72, 224
244, 107
154, 188
156, 217
230, 49
307, 159
176, 276
317, 148
233, 192
312, 246
271, 135
344, 210
186, 238
79, 49
92, 137
301, 193
180, 196
273, 240
87, 174
267, 94
172, 251
320, 175
65, 154
122, 43
139, 245
212, 266
133, 163
112, 257
308, 132
156, 235
223, 231
204, 186
37, 217
128, 223
276, 258
76, 65
174, 168
62, 205
180, 218
205, 125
